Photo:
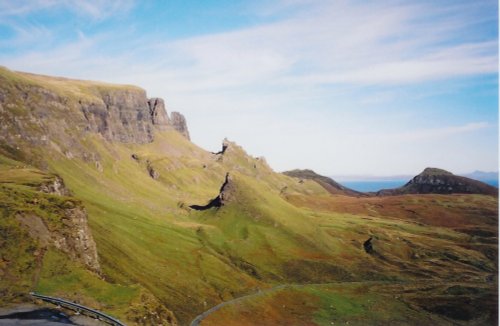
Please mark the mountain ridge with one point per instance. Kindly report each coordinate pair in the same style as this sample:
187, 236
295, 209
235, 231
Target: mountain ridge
476, 175
117, 112
434, 180
161, 261
329, 184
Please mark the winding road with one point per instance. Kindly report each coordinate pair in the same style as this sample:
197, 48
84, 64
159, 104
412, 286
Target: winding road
199, 318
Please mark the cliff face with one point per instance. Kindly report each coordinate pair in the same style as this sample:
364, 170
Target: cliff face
158, 113
74, 238
68, 232
119, 115
47, 111
437, 181
179, 123
161, 120
78, 241
39, 215
223, 196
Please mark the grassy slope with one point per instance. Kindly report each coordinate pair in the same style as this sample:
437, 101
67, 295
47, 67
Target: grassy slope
272, 230
81, 89
328, 183
143, 230
333, 304
192, 260
365, 303
20, 253
28, 265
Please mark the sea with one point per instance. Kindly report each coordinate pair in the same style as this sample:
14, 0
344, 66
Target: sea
366, 186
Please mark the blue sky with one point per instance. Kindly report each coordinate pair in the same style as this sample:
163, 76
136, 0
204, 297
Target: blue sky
342, 87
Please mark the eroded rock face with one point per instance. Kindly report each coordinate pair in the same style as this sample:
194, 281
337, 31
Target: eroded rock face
223, 196
41, 117
55, 186
225, 145
151, 170
34, 115
77, 241
158, 113
121, 115
74, 237
179, 123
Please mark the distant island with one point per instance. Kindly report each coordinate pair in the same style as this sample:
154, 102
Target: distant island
375, 183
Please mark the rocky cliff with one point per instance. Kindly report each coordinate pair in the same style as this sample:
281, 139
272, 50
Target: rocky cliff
118, 115
67, 229
158, 113
179, 123
223, 196
55, 112
438, 181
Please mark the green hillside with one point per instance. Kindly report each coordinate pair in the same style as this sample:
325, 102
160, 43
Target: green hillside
161, 261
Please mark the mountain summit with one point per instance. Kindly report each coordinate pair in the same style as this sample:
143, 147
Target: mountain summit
438, 181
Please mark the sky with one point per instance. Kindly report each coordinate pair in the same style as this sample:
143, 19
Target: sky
341, 87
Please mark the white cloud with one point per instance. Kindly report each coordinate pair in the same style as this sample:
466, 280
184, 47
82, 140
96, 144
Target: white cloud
331, 43
334, 44
280, 77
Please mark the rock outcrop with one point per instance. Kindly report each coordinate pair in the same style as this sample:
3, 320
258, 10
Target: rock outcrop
368, 246
179, 123
218, 201
225, 145
71, 234
151, 170
36, 111
55, 186
119, 115
77, 241
158, 113
438, 181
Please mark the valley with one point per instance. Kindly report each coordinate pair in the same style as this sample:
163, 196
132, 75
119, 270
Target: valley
105, 201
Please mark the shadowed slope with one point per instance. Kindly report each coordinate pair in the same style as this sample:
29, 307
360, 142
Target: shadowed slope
217, 201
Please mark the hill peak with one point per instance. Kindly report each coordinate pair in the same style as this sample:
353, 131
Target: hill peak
439, 181
329, 184
435, 171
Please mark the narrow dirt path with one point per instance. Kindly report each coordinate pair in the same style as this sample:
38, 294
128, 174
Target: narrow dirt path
199, 318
